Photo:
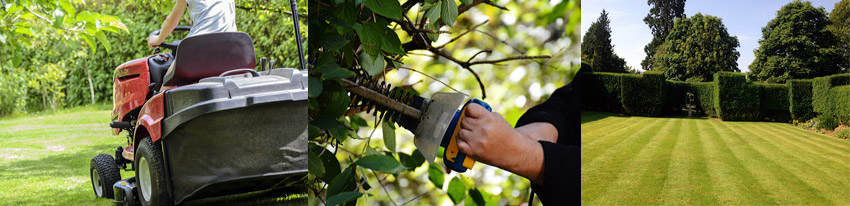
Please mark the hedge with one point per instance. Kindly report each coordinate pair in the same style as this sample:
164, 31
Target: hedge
800, 99
674, 97
601, 91
704, 96
643, 94
831, 98
774, 102
736, 99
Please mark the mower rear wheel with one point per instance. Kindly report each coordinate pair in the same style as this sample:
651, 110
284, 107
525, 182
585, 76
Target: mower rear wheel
104, 173
150, 173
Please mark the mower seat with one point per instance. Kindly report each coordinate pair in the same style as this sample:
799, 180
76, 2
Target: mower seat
209, 55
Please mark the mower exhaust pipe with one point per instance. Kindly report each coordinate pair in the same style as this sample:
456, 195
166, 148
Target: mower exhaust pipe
294, 6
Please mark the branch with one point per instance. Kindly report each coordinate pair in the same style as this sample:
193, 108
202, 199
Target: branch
385, 188
435, 79
469, 29
247, 8
432, 31
509, 59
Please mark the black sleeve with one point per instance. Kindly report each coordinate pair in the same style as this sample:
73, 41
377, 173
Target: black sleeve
561, 160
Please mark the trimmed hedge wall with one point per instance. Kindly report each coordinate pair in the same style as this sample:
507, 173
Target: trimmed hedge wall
675, 97
643, 94
704, 96
601, 92
774, 102
736, 99
831, 98
800, 99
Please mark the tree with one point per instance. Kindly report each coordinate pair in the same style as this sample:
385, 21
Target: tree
385, 41
696, 48
596, 48
660, 20
797, 45
840, 17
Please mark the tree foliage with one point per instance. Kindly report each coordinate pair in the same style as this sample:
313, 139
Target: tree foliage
87, 72
840, 18
424, 46
596, 48
661, 19
696, 48
796, 44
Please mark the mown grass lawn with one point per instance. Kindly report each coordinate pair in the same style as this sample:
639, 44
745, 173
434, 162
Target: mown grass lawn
44, 160
700, 161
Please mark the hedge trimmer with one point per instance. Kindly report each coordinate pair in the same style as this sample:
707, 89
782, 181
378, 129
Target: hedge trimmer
435, 122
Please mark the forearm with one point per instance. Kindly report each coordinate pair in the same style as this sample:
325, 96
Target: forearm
539, 131
527, 160
172, 20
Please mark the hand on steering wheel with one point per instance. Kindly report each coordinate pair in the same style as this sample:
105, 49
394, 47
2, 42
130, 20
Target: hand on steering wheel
154, 41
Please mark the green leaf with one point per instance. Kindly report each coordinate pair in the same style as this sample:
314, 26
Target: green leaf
102, 38
314, 164
449, 12
370, 38
468, 2
329, 163
326, 123
457, 190
433, 13
336, 73
389, 135
476, 197
357, 120
67, 7
411, 161
314, 87
435, 174
373, 66
343, 182
388, 8
433, 26
57, 22
90, 42
390, 43
331, 41
380, 163
343, 197
24, 30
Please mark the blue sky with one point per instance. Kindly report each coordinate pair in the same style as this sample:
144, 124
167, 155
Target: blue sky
743, 18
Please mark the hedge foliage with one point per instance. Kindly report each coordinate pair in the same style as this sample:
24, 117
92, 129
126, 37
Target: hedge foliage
774, 102
643, 94
831, 97
601, 92
800, 99
736, 99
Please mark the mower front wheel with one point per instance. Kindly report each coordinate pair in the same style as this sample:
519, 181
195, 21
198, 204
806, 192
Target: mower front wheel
150, 173
104, 173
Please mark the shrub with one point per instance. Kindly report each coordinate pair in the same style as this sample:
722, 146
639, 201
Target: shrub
774, 102
642, 94
736, 99
800, 99
675, 98
601, 91
831, 97
842, 132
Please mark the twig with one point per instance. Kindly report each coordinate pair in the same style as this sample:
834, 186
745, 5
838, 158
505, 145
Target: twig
500, 40
435, 79
509, 59
469, 29
385, 188
415, 198
432, 31
479, 52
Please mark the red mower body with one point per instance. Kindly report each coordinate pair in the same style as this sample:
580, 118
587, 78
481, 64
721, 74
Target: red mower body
130, 88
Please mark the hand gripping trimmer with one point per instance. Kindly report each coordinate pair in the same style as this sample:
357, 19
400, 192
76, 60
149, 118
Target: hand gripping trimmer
435, 122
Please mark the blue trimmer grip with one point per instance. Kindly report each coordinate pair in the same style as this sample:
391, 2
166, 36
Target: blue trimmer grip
453, 157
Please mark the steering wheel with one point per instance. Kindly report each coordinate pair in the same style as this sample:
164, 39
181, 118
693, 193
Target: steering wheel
173, 45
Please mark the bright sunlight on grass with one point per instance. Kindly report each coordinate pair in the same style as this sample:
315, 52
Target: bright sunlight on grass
44, 160
699, 161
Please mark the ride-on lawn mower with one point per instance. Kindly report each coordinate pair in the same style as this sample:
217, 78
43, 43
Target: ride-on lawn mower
212, 126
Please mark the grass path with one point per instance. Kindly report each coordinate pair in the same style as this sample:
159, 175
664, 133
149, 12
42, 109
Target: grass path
44, 160
642, 160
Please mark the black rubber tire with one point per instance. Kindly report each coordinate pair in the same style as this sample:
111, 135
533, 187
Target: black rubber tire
152, 152
108, 173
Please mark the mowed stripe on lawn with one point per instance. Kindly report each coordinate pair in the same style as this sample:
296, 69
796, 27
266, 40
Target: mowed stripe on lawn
644, 160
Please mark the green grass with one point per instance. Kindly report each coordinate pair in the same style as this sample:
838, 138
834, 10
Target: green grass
44, 160
699, 161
